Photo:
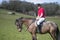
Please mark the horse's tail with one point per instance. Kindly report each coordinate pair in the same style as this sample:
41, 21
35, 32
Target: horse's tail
57, 33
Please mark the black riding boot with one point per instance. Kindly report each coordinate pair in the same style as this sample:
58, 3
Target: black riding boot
39, 28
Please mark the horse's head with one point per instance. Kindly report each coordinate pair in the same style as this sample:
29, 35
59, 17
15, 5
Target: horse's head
19, 23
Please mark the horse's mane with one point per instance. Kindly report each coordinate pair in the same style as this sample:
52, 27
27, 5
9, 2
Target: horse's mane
17, 20
26, 18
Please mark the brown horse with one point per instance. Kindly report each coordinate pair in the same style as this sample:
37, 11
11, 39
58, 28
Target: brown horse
47, 27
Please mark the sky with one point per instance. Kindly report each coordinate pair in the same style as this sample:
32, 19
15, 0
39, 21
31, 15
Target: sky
39, 1
43, 1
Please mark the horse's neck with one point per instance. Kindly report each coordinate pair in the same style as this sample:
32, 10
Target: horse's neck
27, 22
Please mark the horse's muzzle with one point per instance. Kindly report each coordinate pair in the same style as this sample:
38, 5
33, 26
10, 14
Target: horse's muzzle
19, 30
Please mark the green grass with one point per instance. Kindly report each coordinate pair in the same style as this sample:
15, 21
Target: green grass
8, 30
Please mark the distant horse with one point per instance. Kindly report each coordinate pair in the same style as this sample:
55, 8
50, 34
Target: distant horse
47, 27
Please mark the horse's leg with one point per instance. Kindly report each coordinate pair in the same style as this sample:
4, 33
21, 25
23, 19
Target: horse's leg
34, 36
53, 35
32, 30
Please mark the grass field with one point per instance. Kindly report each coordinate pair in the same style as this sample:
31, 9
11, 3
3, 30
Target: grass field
8, 30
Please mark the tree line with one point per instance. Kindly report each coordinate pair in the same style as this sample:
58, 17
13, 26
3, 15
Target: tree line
52, 9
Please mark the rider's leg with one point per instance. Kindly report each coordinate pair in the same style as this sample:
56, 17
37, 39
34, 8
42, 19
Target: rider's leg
40, 20
38, 24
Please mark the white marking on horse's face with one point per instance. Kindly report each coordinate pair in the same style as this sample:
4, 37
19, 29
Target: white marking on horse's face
19, 30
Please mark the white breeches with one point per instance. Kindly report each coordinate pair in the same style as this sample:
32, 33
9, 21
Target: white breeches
40, 20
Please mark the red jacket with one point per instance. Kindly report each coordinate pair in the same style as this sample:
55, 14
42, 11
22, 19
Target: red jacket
41, 11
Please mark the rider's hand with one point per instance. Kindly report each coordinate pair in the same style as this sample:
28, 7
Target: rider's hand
37, 18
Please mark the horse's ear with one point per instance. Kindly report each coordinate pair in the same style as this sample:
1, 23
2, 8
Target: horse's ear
20, 18
17, 20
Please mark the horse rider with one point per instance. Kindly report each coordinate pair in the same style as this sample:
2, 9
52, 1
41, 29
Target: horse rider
40, 15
